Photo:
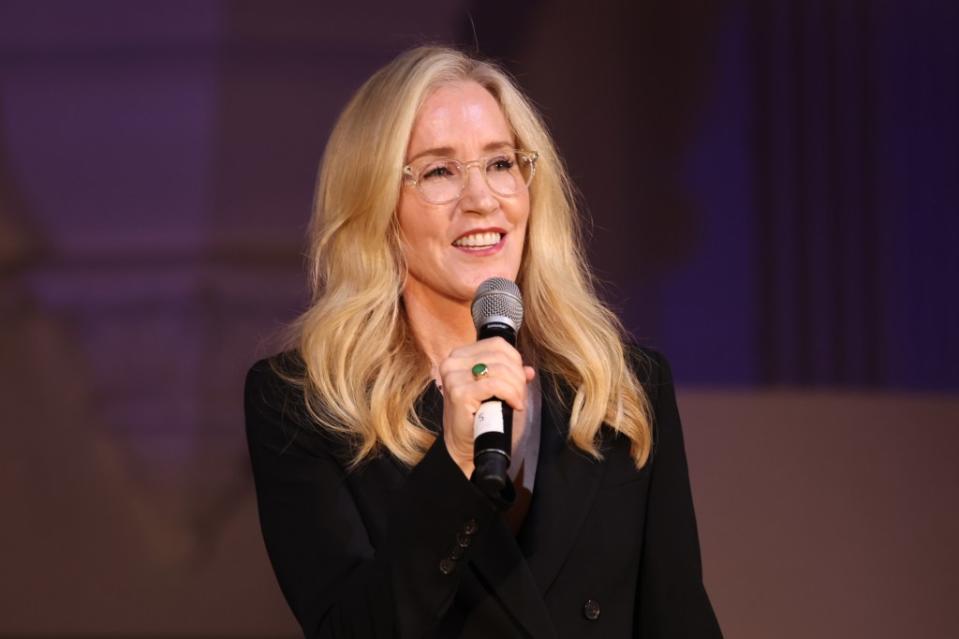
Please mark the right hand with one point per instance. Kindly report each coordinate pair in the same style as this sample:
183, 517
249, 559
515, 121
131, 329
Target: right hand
463, 394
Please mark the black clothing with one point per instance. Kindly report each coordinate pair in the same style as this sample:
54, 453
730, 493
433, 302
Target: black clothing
386, 551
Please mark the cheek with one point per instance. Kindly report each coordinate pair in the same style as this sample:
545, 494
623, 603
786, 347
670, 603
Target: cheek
405, 217
421, 234
409, 221
521, 209
521, 220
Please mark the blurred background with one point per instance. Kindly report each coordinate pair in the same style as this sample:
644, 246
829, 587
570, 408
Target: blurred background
771, 189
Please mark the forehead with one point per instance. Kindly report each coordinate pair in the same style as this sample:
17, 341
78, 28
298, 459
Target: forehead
461, 117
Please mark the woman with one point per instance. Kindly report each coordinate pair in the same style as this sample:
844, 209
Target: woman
438, 175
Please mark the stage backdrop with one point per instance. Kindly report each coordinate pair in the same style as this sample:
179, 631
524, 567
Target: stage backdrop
770, 198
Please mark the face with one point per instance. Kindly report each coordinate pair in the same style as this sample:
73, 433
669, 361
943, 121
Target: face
451, 248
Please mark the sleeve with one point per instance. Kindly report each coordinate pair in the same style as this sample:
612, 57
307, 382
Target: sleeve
335, 581
671, 599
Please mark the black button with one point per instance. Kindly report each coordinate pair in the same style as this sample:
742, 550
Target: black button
470, 527
462, 539
447, 565
457, 552
591, 610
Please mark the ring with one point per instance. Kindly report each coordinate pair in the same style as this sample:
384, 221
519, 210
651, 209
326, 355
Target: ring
479, 370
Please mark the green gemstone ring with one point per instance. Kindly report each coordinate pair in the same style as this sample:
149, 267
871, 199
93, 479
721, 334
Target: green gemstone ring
479, 370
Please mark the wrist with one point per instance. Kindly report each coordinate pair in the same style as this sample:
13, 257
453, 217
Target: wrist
462, 458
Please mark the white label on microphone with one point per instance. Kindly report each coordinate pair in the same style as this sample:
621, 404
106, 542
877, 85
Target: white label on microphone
489, 418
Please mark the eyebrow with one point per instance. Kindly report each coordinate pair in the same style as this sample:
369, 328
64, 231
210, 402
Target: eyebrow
448, 151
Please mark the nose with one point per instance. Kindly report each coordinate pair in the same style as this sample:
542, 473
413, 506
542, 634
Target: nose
477, 196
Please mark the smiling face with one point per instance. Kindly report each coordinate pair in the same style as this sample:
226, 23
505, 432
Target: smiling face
451, 248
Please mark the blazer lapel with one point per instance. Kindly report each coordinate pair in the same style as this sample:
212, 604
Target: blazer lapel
502, 568
521, 573
566, 484
498, 562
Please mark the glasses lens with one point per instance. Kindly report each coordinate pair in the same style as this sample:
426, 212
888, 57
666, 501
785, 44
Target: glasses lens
441, 181
526, 164
502, 174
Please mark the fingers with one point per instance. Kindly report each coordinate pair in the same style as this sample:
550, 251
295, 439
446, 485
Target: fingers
462, 371
492, 347
506, 379
461, 388
506, 376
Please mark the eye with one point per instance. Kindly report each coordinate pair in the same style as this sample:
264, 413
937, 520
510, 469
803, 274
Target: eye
436, 171
500, 163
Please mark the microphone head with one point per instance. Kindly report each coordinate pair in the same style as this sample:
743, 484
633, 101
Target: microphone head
498, 300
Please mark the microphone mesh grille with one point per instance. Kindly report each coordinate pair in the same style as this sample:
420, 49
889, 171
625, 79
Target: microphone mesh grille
498, 298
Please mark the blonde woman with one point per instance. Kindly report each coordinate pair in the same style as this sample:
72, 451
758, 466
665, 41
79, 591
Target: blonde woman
438, 175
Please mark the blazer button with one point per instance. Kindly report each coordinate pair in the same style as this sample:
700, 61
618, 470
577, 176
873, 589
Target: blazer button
591, 610
447, 565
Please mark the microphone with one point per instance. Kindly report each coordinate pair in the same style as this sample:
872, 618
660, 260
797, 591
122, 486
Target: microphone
497, 312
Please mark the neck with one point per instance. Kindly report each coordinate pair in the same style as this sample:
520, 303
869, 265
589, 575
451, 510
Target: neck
439, 324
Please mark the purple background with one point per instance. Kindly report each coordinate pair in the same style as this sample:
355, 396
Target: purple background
773, 203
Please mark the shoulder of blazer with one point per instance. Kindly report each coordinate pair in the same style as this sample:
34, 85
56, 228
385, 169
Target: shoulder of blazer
280, 405
270, 394
650, 367
654, 373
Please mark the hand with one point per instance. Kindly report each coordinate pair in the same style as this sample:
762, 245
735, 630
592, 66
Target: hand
463, 393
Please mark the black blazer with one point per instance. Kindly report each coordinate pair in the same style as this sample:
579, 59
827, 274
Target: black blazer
386, 551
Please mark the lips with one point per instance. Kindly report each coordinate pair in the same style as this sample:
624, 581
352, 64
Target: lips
479, 239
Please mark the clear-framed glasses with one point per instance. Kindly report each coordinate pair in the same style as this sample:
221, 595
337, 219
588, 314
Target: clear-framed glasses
443, 180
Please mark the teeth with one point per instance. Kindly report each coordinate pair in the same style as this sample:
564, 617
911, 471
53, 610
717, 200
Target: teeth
478, 239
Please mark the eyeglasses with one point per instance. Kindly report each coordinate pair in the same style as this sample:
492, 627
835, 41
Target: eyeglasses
443, 180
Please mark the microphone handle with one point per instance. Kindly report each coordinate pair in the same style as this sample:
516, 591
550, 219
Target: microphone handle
492, 448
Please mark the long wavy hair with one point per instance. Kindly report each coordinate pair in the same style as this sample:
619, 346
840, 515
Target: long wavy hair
362, 370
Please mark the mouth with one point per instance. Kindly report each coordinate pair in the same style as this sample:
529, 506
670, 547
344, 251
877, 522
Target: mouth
480, 241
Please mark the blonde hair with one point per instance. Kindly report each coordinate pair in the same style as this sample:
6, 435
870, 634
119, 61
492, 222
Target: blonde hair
362, 371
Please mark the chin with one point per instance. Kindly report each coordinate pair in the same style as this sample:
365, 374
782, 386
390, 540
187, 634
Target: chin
479, 279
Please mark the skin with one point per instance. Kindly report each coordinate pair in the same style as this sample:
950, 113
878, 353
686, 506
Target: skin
465, 122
